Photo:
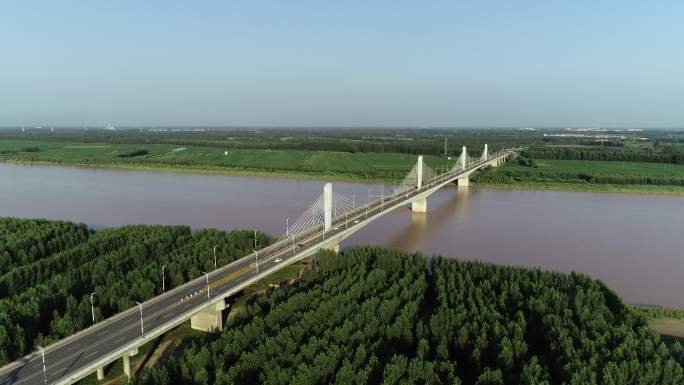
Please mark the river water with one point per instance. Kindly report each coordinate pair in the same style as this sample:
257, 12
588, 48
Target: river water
634, 243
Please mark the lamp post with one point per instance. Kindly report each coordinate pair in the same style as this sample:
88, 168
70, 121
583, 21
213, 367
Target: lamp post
255, 241
92, 306
207, 275
42, 354
142, 327
163, 279
287, 226
256, 259
214, 256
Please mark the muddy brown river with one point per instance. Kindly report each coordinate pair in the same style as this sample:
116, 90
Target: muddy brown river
634, 243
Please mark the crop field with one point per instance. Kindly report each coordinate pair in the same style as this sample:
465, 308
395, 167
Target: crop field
389, 167
345, 164
598, 167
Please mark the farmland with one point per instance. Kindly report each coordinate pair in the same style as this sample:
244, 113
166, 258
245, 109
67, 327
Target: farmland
652, 164
588, 175
331, 164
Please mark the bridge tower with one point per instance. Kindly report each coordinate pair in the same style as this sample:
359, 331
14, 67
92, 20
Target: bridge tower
327, 205
419, 205
463, 182
334, 244
463, 157
484, 153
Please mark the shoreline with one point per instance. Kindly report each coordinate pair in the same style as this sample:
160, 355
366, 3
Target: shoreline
530, 186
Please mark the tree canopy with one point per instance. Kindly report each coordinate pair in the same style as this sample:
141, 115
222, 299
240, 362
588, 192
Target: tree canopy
374, 316
50, 268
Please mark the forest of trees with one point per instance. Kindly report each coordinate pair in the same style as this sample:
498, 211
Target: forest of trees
367, 316
374, 316
49, 269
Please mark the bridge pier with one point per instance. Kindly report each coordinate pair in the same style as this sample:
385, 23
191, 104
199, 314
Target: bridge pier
332, 246
127, 362
463, 182
210, 318
419, 205
100, 373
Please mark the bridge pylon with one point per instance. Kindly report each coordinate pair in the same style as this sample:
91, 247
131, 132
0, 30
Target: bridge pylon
464, 182
327, 205
463, 159
419, 205
334, 244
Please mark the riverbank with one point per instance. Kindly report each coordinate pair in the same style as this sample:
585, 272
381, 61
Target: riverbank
586, 187
390, 168
515, 185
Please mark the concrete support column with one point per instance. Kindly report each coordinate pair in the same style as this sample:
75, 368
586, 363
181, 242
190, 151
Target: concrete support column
100, 373
463, 182
210, 318
127, 362
485, 153
419, 172
463, 157
333, 246
419, 205
327, 205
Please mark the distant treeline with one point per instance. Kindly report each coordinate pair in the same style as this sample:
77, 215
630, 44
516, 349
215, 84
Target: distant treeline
49, 268
374, 316
670, 154
653, 146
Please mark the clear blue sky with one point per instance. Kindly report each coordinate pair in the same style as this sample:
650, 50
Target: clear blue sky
343, 63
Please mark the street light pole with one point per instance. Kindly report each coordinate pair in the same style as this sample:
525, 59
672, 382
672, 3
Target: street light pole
163, 279
207, 275
142, 327
42, 353
287, 226
255, 242
92, 306
214, 256
256, 261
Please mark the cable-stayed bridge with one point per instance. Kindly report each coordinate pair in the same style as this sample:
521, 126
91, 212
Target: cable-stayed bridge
331, 218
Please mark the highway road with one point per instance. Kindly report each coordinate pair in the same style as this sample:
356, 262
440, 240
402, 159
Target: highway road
64, 358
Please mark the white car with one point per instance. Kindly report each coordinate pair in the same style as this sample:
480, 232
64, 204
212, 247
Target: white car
356, 221
278, 260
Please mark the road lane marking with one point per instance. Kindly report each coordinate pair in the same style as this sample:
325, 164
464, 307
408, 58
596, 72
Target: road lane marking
120, 339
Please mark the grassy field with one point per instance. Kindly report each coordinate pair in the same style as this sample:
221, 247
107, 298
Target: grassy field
587, 175
573, 175
608, 168
372, 166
